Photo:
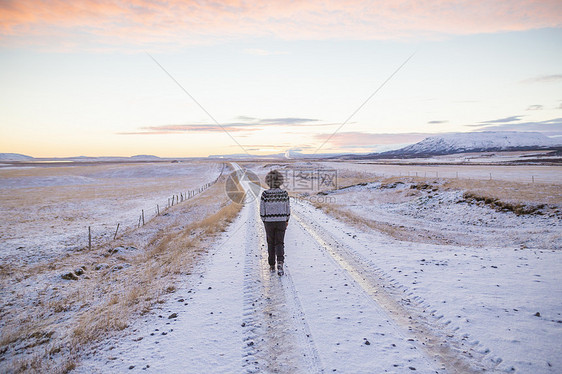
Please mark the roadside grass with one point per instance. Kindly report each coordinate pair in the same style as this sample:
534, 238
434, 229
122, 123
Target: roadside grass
508, 192
68, 318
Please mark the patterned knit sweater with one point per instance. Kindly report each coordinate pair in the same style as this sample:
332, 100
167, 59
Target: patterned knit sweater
274, 205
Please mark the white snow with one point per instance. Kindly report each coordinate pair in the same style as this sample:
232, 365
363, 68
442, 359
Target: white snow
47, 210
352, 300
239, 317
485, 297
462, 142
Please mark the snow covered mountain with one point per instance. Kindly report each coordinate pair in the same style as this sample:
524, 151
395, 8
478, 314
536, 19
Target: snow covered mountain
474, 142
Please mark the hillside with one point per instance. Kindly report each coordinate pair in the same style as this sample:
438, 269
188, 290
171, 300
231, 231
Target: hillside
14, 157
471, 142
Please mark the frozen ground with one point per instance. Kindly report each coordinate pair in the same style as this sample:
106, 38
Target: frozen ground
51, 309
354, 300
236, 316
429, 212
513, 173
47, 210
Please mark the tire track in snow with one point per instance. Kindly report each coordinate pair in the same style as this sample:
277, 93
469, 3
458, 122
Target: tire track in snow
277, 338
285, 319
251, 322
453, 357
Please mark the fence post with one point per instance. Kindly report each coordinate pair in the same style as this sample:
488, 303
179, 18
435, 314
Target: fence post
115, 236
157, 209
142, 217
533, 178
89, 238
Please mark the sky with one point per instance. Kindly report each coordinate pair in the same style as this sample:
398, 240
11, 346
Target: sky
197, 78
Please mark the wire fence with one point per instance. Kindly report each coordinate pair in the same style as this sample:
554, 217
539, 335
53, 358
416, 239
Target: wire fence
144, 217
520, 174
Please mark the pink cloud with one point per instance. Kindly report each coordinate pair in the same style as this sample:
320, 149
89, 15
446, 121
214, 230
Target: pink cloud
244, 124
143, 23
363, 139
176, 129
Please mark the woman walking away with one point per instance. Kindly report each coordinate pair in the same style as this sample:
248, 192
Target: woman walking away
275, 212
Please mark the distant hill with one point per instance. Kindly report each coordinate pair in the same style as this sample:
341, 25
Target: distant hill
14, 157
145, 157
288, 155
19, 157
487, 141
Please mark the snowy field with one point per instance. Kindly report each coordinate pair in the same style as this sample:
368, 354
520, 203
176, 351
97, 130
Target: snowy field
361, 300
58, 297
47, 210
511, 173
388, 273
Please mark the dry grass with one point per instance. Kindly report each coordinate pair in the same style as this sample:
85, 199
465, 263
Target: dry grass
151, 275
73, 315
512, 192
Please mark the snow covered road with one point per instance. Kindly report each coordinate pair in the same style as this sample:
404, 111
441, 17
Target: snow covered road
236, 316
339, 307
240, 317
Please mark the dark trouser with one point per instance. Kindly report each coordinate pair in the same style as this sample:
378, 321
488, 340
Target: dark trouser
275, 232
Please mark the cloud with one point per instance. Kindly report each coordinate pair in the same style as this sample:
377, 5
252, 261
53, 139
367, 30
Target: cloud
83, 24
535, 107
245, 118
544, 79
501, 120
549, 127
244, 124
290, 121
175, 129
357, 139
436, 122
